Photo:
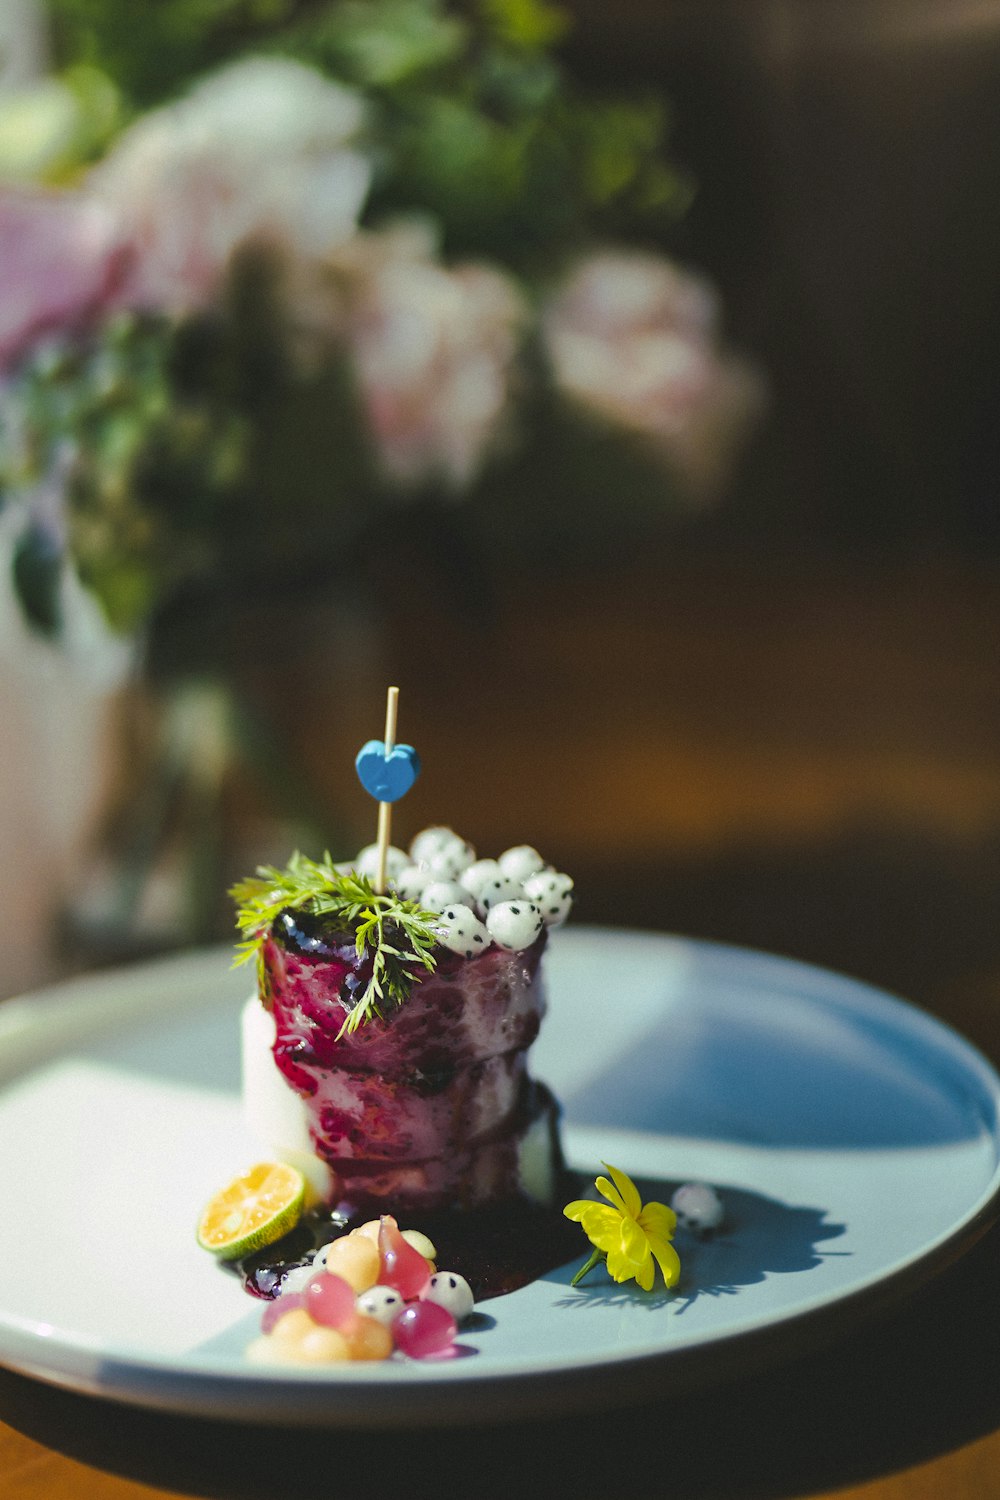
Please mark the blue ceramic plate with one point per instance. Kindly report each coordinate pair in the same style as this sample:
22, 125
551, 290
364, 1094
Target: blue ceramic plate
854, 1141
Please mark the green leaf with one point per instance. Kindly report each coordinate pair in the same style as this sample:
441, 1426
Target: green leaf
378, 921
382, 45
37, 569
530, 24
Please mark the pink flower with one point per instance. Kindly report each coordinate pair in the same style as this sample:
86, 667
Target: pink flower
633, 338
259, 148
62, 258
435, 352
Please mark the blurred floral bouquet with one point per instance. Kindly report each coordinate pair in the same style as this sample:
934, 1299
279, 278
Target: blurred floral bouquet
382, 256
378, 285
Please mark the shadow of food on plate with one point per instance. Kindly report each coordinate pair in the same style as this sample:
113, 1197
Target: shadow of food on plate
759, 1237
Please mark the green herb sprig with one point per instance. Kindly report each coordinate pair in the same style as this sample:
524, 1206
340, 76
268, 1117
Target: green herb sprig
398, 934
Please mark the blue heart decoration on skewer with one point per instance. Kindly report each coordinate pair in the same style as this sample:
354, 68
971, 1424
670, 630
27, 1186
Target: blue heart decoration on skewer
387, 775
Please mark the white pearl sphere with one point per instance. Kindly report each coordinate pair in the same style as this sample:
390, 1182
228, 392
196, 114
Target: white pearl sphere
438, 894
452, 1292
383, 1303
520, 862
449, 860
514, 925
475, 876
500, 888
396, 861
410, 882
297, 1279
697, 1206
461, 931
428, 842
552, 893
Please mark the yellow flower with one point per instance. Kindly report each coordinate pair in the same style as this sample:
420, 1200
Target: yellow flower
627, 1234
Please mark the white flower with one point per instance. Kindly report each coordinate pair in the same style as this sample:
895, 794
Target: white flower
435, 351
634, 339
259, 148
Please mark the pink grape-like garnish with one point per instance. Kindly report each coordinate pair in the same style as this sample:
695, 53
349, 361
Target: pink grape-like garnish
424, 1329
277, 1309
402, 1267
329, 1300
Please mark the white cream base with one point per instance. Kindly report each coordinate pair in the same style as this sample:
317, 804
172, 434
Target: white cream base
273, 1111
535, 1162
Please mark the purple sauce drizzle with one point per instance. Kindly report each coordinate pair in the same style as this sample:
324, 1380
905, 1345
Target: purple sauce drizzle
421, 1113
497, 1248
423, 1106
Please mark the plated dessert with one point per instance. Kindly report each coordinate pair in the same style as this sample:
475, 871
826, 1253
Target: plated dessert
386, 1055
385, 1073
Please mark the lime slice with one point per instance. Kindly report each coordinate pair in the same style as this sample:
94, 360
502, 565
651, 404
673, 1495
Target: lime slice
254, 1210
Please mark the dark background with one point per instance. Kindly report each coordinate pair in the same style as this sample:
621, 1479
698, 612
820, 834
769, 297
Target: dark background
848, 158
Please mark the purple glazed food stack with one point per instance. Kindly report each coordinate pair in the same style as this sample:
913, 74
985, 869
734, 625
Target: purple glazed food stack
430, 1106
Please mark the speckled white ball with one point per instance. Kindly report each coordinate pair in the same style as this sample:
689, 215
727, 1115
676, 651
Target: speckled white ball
461, 931
552, 892
514, 925
697, 1206
475, 876
428, 841
297, 1279
396, 861
452, 1292
500, 888
439, 894
410, 883
520, 862
383, 1303
448, 862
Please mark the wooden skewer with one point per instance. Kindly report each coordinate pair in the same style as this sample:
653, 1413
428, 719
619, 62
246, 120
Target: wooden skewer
385, 808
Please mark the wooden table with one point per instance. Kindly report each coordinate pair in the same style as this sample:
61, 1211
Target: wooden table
803, 758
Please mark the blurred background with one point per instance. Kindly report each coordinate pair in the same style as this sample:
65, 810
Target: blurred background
621, 381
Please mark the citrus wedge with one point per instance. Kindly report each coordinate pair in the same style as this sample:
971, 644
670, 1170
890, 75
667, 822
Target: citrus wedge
254, 1210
